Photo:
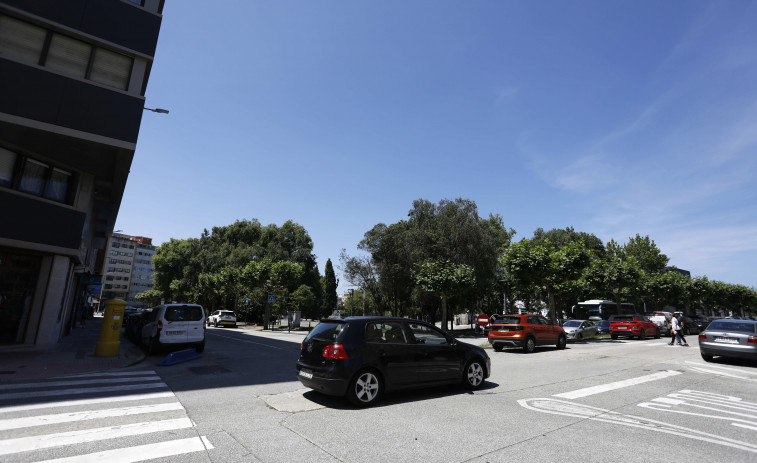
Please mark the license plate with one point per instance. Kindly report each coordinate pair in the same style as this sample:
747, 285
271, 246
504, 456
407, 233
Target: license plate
504, 330
726, 340
172, 333
622, 327
306, 374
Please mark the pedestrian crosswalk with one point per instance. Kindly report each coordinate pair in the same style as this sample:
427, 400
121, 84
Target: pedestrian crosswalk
113, 417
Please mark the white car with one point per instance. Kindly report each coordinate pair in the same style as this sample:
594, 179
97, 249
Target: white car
577, 330
223, 318
174, 325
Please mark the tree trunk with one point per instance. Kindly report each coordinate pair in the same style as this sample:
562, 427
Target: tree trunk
444, 312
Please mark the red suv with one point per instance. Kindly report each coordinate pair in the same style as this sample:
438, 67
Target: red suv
633, 326
525, 331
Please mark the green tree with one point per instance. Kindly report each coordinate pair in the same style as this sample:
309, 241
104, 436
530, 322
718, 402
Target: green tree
329, 286
544, 267
443, 279
150, 297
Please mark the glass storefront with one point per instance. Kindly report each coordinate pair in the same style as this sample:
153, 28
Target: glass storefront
18, 278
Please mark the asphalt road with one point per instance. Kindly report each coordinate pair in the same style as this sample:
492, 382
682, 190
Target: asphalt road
602, 400
592, 400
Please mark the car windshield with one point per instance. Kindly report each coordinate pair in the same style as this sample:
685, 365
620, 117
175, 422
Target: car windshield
507, 321
738, 327
622, 318
326, 331
572, 324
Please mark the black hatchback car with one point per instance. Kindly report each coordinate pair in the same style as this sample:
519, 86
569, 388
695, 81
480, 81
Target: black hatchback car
363, 357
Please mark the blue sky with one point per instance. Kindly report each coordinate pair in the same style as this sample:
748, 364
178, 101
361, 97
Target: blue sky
615, 118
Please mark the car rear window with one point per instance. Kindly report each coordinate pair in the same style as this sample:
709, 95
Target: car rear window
507, 321
326, 331
183, 313
738, 327
227, 314
622, 318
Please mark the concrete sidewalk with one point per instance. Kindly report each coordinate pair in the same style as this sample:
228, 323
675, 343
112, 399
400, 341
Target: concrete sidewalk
74, 354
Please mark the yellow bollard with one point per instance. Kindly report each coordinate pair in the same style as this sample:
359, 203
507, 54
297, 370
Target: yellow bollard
110, 334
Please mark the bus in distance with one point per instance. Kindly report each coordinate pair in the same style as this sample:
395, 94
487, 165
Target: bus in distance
596, 309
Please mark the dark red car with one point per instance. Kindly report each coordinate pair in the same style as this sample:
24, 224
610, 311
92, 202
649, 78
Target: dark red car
633, 326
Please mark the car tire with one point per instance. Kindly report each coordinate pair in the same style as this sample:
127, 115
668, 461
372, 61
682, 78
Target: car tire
707, 357
473, 375
562, 341
365, 388
200, 347
215, 324
579, 337
530, 345
657, 334
613, 336
497, 348
642, 334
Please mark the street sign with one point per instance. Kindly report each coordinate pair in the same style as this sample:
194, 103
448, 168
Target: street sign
483, 319
247, 301
271, 299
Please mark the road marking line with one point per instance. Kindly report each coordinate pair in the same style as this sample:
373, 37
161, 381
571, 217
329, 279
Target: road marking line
585, 412
79, 383
33, 443
139, 452
721, 373
43, 420
711, 365
29, 395
81, 402
616, 385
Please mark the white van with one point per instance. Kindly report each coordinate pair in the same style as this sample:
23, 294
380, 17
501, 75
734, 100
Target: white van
174, 325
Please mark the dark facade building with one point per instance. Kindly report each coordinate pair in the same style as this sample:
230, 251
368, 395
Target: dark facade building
73, 76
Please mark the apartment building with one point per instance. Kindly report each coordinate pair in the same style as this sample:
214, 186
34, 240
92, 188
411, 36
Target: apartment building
73, 76
127, 268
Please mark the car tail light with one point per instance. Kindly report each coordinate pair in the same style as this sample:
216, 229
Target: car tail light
702, 336
752, 340
335, 351
160, 325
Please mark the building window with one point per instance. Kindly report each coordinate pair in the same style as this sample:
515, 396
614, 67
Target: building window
110, 68
33, 177
27, 42
7, 164
21, 40
68, 56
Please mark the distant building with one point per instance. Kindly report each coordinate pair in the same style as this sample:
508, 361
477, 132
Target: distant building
127, 268
73, 76
681, 271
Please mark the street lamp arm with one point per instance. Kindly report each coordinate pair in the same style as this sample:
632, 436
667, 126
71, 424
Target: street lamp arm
157, 110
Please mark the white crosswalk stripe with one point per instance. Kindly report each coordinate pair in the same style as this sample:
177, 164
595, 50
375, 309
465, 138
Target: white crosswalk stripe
123, 417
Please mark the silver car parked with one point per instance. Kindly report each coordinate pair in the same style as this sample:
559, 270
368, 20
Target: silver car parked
729, 338
577, 330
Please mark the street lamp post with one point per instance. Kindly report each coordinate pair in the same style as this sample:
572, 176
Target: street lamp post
504, 296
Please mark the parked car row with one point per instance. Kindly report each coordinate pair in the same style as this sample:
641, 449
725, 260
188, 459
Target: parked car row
175, 325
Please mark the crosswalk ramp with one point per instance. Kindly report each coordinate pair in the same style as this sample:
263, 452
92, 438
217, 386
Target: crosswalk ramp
116, 417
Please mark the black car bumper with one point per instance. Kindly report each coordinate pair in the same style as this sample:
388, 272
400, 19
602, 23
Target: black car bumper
322, 382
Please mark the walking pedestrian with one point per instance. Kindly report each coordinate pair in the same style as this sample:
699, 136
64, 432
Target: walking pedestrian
674, 327
681, 339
